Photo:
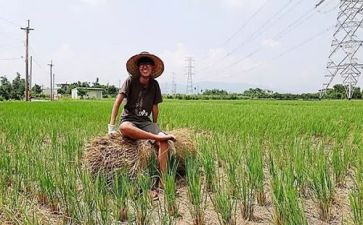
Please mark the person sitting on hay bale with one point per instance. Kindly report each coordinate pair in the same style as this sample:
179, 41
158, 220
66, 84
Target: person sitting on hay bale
143, 95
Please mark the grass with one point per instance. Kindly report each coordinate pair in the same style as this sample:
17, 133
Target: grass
313, 145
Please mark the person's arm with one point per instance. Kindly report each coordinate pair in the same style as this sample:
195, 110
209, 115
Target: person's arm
116, 107
155, 112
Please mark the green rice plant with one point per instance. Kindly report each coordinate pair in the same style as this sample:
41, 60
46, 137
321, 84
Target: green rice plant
247, 194
255, 170
225, 205
233, 176
209, 164
102, 200
55, 133
195, 193
142, 202
287, 206
163, 216
88, 209
339, 165
170, 203
251, 180
322, 184
299, 162
168, 209
356, 204
356, 195
47, 194
120, 190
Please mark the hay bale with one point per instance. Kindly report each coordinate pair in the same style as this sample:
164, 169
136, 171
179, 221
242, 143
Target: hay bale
111, 153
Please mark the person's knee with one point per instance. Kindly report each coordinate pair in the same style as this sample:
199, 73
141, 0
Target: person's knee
125, 127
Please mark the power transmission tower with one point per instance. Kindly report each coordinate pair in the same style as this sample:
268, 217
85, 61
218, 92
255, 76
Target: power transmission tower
51, 79
27, 30
343, 59
173, 84
189, 65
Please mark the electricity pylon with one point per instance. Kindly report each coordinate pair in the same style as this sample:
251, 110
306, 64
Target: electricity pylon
343, 60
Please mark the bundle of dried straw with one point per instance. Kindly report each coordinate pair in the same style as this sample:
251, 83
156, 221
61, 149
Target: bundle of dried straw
108, 154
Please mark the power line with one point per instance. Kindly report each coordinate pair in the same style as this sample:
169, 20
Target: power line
10, 59
258, 32
279, 13
306, 41
259, 9
10, 21
246, 22
288, 51
299, 21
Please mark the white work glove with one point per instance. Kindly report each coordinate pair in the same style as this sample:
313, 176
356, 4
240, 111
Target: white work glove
111, 129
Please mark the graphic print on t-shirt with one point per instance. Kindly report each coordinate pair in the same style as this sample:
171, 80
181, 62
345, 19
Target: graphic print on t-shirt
139, 110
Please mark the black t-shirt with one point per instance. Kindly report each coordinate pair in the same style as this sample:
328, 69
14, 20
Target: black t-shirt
140, 99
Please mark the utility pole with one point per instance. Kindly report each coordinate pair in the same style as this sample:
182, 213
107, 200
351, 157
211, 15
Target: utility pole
173, 84
51, 79
189, 65
53, 86
31, 78
343, 58
27, 30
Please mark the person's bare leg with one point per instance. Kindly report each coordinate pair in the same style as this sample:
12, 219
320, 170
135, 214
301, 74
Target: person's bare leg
163, 156
163, 159
129, 130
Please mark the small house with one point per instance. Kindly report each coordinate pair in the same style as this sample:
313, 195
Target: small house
83, 92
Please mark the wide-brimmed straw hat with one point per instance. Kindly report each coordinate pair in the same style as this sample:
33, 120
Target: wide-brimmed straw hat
133, 67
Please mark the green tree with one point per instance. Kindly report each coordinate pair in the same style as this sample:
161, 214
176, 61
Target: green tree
37, 89
18, 88
257, 93
110, 90
357, 94
5, 88
96, 84
215, 92
81, 92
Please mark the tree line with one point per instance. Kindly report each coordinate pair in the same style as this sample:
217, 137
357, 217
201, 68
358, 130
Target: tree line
15, 89
336, 92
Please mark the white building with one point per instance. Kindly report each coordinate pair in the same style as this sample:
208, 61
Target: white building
46, 92
95, 93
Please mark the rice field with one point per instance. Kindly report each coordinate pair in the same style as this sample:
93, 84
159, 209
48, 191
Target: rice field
259, 162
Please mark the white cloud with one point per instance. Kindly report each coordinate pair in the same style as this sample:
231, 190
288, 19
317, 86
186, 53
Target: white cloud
270, 43
94, 2
247, 4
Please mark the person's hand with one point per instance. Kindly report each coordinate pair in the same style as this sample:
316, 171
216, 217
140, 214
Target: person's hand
111, 129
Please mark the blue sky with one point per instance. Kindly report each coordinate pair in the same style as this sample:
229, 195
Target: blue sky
281, 44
